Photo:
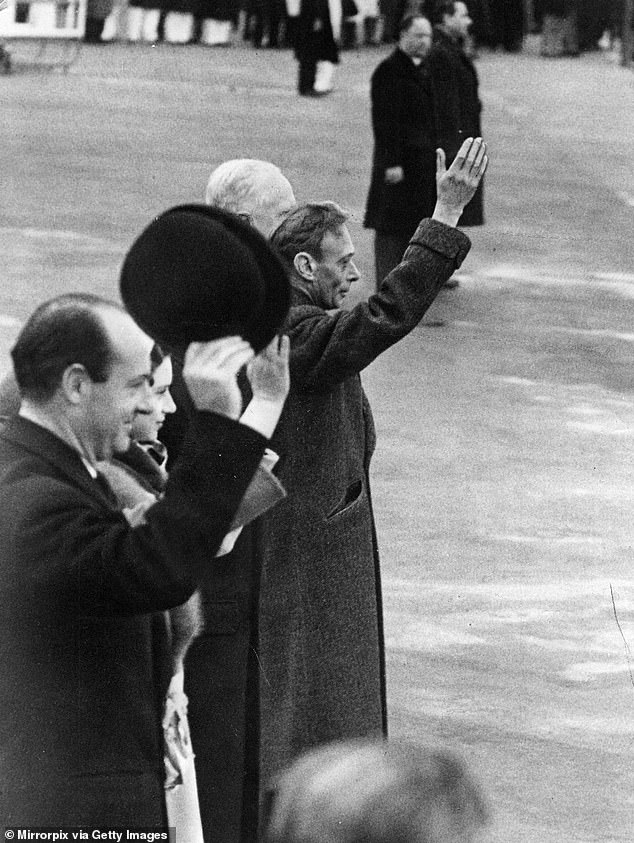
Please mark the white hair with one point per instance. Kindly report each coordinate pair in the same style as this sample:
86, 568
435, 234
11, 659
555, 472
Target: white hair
240, 185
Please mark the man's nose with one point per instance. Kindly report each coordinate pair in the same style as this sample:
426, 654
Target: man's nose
353, 273
144, 399
169, 406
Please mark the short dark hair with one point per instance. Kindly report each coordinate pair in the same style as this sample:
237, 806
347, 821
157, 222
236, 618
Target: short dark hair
304, 229
157, 356
442, 8
65, 330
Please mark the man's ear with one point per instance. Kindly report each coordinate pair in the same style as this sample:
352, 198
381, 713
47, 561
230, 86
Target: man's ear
305, 265
76, 383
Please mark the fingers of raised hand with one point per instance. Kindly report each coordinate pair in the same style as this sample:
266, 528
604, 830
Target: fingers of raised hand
482, 167
470, 155
471, 162
461, 156
475, 152
478, 156
441, 162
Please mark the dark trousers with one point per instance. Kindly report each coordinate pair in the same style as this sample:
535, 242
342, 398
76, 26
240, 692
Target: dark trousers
268, 16
307, 73
93, 29
388, 252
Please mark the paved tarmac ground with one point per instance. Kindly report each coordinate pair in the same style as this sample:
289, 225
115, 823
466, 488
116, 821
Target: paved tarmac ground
503, 476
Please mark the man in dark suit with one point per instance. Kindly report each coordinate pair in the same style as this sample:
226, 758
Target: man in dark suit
321, 630
455, 82
82, 632
403, 186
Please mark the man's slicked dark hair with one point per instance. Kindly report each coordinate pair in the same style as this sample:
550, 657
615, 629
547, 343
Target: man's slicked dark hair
442, 8
157, 356
61, 332
304, 229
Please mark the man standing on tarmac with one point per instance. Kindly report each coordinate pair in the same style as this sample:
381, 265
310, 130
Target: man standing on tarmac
321, 626
403, 186
221, 667
455, 81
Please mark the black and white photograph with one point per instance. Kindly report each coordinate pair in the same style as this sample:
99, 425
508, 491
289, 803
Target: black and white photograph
317, 421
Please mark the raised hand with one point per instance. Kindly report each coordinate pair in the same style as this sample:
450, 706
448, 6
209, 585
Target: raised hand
455, 186
210, 371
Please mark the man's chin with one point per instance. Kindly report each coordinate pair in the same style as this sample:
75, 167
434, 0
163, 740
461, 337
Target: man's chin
121, 444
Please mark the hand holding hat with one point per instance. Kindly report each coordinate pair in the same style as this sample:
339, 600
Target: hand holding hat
270, 381
210, 371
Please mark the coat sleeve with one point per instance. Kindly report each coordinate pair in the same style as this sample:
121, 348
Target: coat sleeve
75, 552
327, 348
386, 95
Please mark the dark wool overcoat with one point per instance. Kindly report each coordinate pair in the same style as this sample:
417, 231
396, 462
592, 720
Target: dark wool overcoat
458, 107
216, 9
80, 733
404, 127
221, 671
315, 45
321, 636
221, 683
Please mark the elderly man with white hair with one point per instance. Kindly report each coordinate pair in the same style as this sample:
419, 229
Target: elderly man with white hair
221, 667
255, 190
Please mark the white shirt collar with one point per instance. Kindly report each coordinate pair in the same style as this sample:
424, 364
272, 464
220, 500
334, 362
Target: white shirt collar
90, 468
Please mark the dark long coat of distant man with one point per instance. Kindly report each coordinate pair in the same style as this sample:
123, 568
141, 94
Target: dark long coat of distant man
458, 108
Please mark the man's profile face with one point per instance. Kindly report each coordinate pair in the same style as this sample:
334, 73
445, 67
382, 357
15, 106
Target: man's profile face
112, 406
458, 24
416, 41
335, 272
277, 203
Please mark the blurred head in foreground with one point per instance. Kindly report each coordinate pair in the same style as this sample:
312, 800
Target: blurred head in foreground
361, 792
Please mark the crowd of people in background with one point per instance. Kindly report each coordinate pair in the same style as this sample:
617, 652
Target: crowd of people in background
318, 29
566, 26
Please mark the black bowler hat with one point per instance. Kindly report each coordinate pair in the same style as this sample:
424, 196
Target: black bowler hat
198, 273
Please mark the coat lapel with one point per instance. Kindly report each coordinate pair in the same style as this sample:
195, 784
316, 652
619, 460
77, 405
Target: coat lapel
51, 449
